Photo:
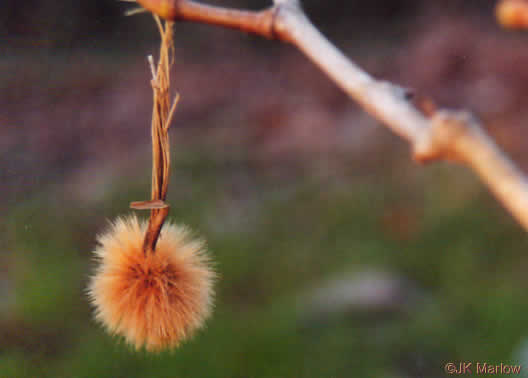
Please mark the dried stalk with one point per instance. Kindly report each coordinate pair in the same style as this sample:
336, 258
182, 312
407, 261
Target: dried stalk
433, 134
162, 114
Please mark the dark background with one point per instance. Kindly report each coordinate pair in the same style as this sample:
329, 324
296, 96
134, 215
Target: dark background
338, 255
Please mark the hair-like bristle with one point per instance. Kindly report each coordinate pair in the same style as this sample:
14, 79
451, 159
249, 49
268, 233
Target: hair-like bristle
154, 300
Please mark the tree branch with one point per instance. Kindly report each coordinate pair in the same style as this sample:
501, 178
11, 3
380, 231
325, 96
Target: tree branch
433, 134
248, 21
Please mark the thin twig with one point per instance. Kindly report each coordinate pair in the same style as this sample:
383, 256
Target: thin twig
433, 134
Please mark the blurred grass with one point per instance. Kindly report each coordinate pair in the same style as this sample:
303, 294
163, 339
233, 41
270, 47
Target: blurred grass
273, 240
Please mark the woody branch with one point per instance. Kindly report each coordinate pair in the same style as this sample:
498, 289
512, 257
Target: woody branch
434, 134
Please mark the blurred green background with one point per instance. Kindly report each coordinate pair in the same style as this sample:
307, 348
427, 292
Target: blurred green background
338, 256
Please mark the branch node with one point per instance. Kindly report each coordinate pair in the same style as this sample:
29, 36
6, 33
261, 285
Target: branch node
400, 92
282, 9
444, 139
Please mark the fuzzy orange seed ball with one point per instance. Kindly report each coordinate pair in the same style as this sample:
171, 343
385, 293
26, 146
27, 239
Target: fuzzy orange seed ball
153, 300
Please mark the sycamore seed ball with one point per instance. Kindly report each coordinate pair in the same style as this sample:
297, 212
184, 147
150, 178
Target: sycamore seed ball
156, 300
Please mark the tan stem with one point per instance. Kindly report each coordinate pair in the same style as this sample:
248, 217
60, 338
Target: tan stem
156, 220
